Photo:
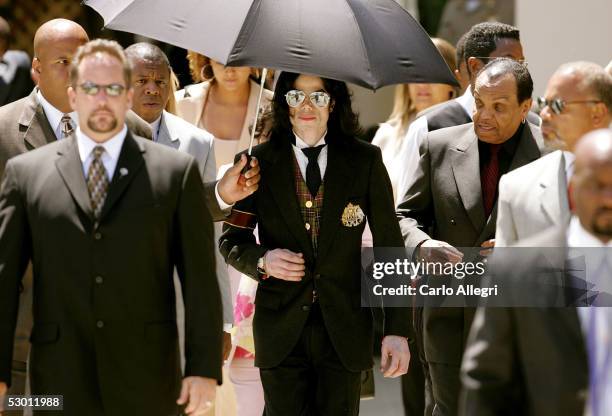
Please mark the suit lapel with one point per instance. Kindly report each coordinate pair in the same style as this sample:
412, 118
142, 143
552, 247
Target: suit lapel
71, 170
130, 161
338, 177
282, 187
38, 131
526, 152
553, 186
165, 136
466, 170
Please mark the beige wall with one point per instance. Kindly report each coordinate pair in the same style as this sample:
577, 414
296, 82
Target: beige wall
558, 31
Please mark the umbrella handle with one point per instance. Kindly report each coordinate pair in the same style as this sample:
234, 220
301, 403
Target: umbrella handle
264, 73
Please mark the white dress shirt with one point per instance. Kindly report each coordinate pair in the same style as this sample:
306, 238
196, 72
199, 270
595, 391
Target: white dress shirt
596, 322
54, 116
155, 127
415, 135
109, 158
303, 160
569, 159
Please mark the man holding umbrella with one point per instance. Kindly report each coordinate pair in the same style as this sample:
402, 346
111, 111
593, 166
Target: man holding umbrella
311, 336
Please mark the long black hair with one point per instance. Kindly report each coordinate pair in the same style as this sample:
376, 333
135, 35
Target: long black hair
343, 123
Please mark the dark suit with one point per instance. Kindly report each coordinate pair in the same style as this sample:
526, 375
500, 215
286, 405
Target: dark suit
355, 174
15, 79
445, 202
23, 127
104, 332
526, 361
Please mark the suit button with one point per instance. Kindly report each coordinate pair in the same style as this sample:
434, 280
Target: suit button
305, 308
100, 324
307, 225
453, 222
98, 236
99, 280
308, 204
317, 276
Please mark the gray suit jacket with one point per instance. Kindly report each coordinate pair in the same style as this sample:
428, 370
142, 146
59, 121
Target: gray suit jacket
444, 202
526, 361
532, 199
185, 137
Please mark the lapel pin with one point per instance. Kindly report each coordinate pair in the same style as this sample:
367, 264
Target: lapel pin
123, 172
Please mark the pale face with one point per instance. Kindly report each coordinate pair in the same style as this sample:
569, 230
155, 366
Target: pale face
151, 83
308, 120
497, 112
562, 131
52, 69
231, 78
100, 116
426, 95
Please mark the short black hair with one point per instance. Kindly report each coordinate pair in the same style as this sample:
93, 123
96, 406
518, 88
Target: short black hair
460, 49
343, 123
500, 67
481, 39
147, 52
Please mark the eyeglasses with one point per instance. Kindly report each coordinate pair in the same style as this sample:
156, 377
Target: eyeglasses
297, 97
522, 61
557, 105
112, 90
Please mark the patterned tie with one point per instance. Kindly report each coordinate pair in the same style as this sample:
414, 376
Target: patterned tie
313, 171
97, 181
489, 176
66, 124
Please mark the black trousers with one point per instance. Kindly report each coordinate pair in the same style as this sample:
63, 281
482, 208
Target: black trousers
311, 381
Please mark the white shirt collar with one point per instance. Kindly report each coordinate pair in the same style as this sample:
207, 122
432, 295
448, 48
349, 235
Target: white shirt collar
467, 101
300, 144
155, 126
577, 236
112, 149
54, 116
569, 159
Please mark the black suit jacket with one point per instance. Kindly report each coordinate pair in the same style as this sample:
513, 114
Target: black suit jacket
355, 174
526, 361
104, 332
15, 79
444, 202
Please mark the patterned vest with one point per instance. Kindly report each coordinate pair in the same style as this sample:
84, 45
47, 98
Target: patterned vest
310, 207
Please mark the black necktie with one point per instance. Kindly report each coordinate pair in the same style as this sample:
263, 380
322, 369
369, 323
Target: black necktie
313, 171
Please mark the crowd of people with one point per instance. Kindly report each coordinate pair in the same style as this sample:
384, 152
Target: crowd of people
148, 266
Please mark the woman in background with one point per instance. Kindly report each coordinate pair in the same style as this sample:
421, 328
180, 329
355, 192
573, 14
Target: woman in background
223, 102
410, 99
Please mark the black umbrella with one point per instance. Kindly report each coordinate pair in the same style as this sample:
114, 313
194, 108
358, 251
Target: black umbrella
371, 43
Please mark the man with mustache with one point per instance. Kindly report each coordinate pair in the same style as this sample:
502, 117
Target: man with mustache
452, 203
550, 361
44, 117
105, 216
578, 99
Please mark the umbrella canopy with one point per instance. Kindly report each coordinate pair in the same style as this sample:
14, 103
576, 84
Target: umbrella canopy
371, 43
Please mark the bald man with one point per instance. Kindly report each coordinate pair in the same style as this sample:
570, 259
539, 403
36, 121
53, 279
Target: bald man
535, 361
40, 118
578, 99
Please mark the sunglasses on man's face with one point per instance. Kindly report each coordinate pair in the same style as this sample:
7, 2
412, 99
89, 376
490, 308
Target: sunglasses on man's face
557, 105
112, 90
296, 97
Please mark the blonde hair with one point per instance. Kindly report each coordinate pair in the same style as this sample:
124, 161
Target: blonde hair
174, 84
109, 47
197, 62
404, 109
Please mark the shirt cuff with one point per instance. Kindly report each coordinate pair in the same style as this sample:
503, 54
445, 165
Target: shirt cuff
222, 205
227, 327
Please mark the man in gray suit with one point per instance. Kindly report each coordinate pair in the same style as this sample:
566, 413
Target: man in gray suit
578, 99
151, 83
546, 361
44, 117
15, 79
451, 203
